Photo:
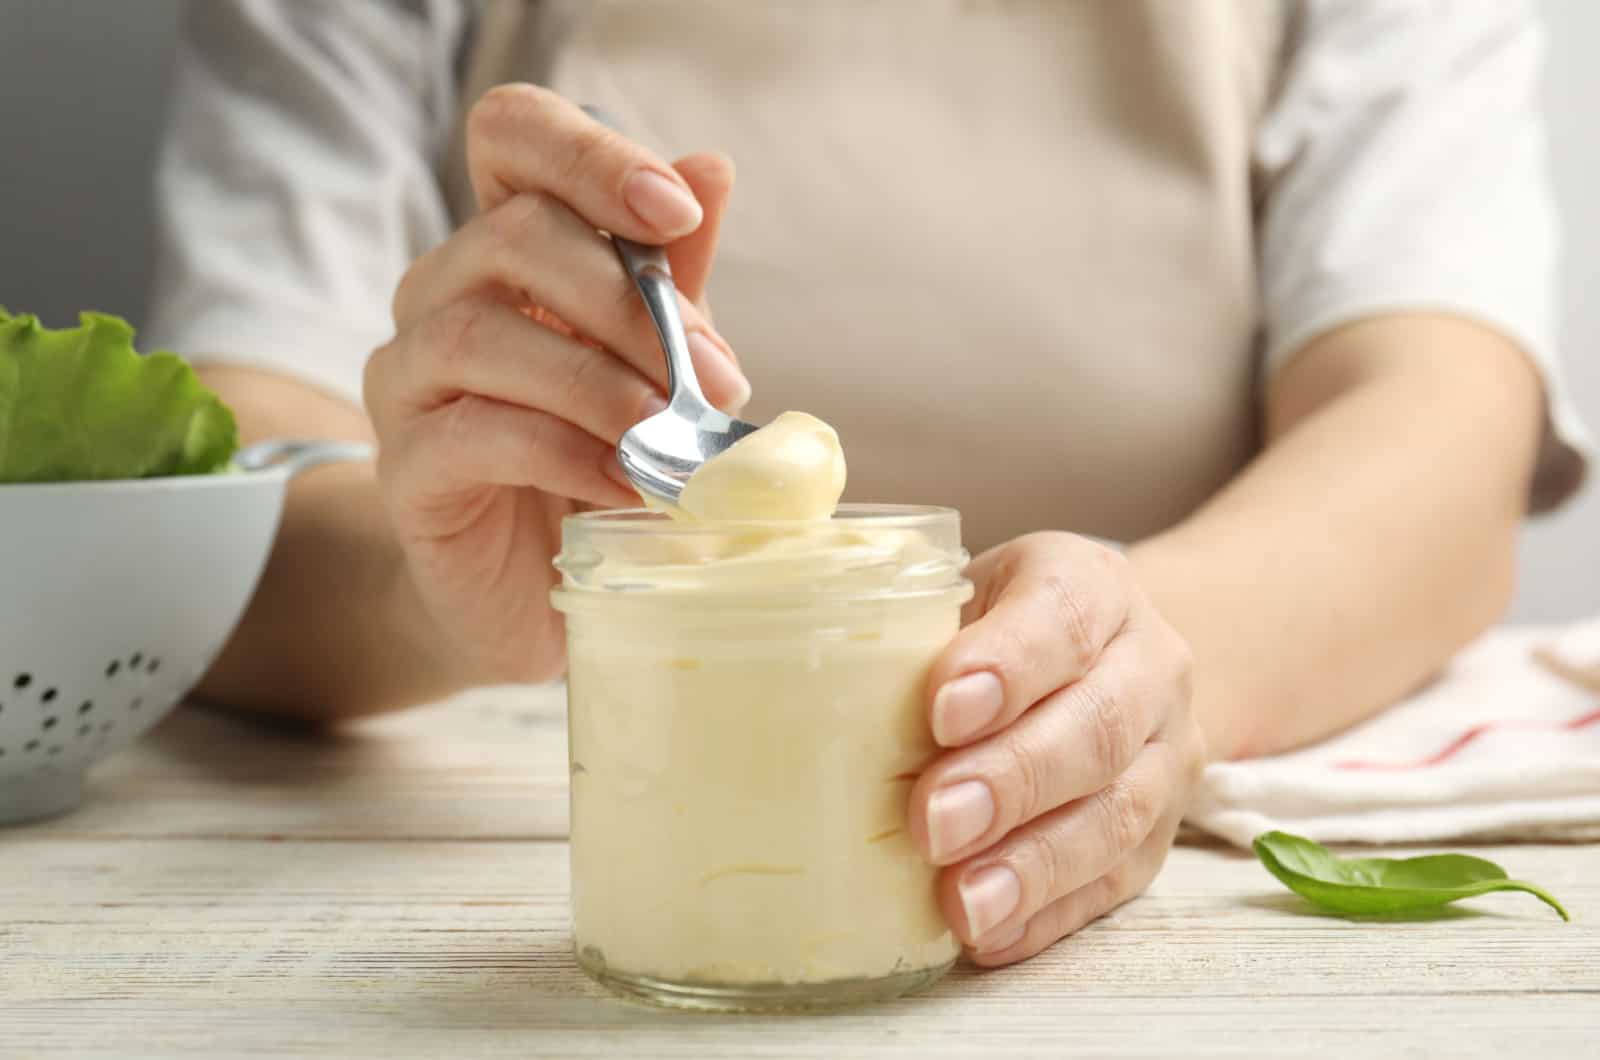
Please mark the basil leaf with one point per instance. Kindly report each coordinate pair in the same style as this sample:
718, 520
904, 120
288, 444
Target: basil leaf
1372, 886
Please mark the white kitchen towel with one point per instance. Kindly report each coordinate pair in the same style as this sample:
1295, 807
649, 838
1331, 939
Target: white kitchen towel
1504, 745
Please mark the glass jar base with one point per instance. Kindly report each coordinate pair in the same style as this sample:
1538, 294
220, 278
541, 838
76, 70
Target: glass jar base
757, 997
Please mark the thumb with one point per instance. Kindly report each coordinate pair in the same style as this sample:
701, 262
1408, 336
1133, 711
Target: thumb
1046, 606
710, 177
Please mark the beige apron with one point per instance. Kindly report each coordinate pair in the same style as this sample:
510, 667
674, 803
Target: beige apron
1006, 248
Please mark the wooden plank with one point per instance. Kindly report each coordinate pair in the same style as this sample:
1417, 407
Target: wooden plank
408, 908
487, 764
121, 948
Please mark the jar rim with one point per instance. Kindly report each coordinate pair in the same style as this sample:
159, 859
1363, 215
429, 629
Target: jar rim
847, 517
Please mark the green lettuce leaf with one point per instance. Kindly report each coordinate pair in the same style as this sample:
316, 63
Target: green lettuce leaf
80, 403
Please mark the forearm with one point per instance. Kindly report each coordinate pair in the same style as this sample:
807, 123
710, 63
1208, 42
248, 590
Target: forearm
333, 629
1373, 536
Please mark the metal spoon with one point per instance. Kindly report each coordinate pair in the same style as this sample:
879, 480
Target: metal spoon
660, 453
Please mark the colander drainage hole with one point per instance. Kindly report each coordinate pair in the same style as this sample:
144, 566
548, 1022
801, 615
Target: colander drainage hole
136, 659
49, 723
137, 703
86, 706
84, 730
22, 681
47, 696
152, 666
105, 726
112, 667
31, 745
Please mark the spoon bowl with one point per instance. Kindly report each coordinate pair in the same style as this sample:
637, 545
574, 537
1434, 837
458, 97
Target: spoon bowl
659, 454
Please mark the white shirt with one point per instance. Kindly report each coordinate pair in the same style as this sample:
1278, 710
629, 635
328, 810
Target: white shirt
1402, 156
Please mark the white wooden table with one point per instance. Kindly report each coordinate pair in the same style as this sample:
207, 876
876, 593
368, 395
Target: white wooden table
400, 890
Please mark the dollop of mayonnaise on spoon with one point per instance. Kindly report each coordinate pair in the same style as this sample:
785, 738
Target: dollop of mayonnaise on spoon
791, 470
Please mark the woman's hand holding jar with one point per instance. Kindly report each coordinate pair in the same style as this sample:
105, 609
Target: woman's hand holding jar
1065, 705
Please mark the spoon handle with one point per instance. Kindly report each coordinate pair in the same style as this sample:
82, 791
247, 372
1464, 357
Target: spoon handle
652, 275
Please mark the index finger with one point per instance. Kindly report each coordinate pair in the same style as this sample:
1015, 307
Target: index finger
1047, 606
524, 138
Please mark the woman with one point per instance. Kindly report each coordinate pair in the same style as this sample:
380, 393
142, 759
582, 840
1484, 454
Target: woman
1259, 288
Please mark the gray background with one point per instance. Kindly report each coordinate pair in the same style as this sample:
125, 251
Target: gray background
80, 101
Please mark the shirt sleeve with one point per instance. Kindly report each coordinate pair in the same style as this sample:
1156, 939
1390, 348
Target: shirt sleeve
1404, 165
298, 179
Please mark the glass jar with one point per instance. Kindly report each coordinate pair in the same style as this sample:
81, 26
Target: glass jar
747, 714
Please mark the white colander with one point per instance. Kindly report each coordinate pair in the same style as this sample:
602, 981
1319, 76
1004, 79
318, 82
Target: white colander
114, 598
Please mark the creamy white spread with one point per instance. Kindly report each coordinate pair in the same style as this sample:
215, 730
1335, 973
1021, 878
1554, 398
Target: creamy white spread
791, 469
746, 729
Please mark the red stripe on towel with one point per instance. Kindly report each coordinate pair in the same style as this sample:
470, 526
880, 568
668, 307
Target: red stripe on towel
1449, 750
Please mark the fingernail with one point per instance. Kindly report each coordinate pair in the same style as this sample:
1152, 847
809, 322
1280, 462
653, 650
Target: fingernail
988, 896
957, 815
1005, 940
722, 344
965, 705
710, 357
662, 204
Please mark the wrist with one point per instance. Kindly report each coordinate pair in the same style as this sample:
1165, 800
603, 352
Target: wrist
420, 646
1174, 574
